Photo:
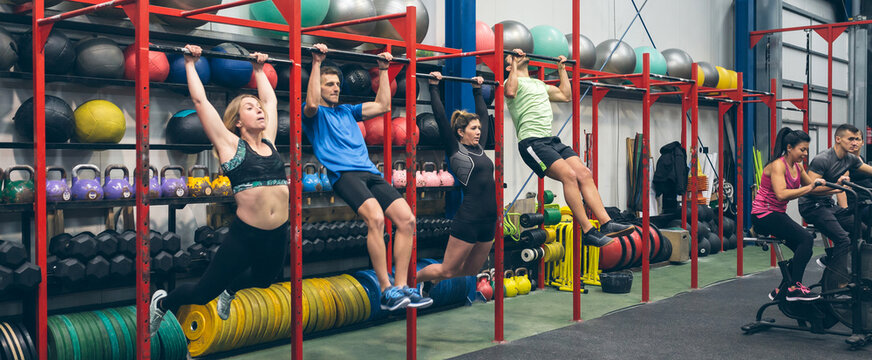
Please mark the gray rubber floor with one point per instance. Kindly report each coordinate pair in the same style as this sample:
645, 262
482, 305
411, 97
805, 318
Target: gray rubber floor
703, 324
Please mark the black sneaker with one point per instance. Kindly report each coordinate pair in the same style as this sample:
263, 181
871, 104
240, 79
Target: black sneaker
595, 238
773, 294
615, 229
799, 292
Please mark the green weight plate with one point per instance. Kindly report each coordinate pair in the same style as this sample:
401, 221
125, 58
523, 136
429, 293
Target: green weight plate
5, 348
85, 338
124, 345
181, 342
130, 313
56, 347
93, 336
65, 344
12, 344
101, 342
170, 342
28, 340
111, 334
130, 323
548, 196
74, 338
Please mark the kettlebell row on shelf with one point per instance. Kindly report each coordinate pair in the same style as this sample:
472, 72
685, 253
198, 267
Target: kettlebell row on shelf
423, 177
516, 284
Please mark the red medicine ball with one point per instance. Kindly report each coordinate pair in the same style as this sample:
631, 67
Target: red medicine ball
271, 75
158, 65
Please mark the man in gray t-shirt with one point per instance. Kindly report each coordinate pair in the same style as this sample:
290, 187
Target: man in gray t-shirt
818, 207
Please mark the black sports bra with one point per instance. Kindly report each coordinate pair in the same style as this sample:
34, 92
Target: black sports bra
248, 169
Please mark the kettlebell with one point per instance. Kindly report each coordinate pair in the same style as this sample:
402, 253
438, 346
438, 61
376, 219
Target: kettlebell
153, 183
311, 180
398, 178
484, 287
86, 189
221, 184
116, 188
173, 187
420, 181
431, 178
522, 281
325, 182
509, 284
199, 186
445, 177
18, 191
57, 190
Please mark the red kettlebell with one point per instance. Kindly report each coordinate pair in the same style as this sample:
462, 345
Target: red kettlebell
484, 287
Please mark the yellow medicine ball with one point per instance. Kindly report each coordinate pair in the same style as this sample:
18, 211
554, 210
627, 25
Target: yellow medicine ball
734, 79
700, 76
99, 121
723, 78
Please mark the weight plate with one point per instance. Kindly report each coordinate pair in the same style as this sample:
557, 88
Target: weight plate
74, 337
333, 300
260, 321
23, 353
289, 319
125, 346
350, 295
226, 329
128, 327
254, 312
245, 321
6, 347
56, 348
304, 301
279, 311
171, 338
18, 330
66, 338
361, 291
195, 320
237, 319
104, 344
87, 346
275, 313
266, 312
327, 311
285, 311
90, 335
111, 334
12, 342
28, 340
309, 298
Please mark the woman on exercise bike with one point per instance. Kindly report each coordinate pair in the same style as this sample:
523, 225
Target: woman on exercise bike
784, 179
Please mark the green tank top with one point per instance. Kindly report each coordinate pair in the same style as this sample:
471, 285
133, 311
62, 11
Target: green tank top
531, 109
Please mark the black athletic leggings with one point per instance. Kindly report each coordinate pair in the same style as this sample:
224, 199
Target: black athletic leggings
798, 239
250, 257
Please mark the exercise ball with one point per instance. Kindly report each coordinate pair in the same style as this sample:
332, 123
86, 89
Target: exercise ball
623, 57
158, 65
723, 78
8, 50
185, 5
99, 57
48, 3
734, 79
177, 69
678, 63
587, 51
271, 76
59, 123
184, 127
401, 86
99, 121
384, 29
549, 41
312, 12
283, 128
656, 60
517, 36
344, 10
484, 36
429, 129
284, 73
710, 76
355, 80
488, 92
374, 131
60, 55
399, 135
230, 73
374, 81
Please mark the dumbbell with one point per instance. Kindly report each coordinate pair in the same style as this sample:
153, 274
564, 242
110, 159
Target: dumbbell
331, 245
82, 246
162, 262
181, 261
12, 254
307, 247
24, 277
67, 271
319, 230
204, 235
155, 242
221, 234
171, 242
197, 252
97, 269
317, 246
360, 242
107, 243
7, 278
360, 227
127, 243
120, 267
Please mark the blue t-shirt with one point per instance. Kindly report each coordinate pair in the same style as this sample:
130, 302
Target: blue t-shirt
337, 140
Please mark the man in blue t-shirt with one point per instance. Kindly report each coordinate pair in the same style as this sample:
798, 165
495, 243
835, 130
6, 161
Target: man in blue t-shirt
339, 145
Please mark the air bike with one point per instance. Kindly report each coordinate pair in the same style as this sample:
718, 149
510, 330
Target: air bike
845, 297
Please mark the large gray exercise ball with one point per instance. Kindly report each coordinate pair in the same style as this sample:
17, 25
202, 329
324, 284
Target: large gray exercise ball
622, 61
678, 63
8, 50
711, 74
48, 3
587, 51
344, 10
517, 36
99, 57
384, 29
184, 5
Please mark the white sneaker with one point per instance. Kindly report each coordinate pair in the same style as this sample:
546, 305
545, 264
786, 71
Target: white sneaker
224, 304
155, 315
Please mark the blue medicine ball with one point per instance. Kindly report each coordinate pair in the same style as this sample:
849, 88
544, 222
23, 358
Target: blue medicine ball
177, 69
230, 73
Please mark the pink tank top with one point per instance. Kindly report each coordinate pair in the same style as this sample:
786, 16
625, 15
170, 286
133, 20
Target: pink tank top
766, 203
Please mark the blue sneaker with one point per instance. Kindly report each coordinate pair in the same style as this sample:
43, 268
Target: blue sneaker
415, 299
393, 298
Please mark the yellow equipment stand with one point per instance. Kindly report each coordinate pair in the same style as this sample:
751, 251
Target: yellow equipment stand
558, 269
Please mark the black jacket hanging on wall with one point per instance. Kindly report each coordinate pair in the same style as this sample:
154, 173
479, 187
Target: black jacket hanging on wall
670, 174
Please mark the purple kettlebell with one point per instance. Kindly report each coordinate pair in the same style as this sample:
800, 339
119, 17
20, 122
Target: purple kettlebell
153, 184
116, 188
57, 190
86, 189
173, 187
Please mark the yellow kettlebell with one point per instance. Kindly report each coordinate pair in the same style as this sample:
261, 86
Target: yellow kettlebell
199, 186
522, 281
221, 184
511, 289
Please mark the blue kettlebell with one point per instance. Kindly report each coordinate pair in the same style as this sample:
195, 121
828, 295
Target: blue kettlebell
86, 189
116, 188
311, 180
325, 182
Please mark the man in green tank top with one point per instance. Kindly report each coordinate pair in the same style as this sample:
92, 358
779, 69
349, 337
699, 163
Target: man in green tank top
529, 103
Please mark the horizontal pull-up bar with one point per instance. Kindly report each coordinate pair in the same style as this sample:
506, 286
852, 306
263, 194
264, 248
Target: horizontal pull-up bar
215, 54
819, 100
609, 86
789, 109
458, 79
456, 55
539, 57
358, 55
218, 7
353, 22
83, 11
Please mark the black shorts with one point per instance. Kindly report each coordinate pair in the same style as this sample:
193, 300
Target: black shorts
473, 232
540, 153
355, 187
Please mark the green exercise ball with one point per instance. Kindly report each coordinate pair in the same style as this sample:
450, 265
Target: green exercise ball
312, 12
548, 41
657, 61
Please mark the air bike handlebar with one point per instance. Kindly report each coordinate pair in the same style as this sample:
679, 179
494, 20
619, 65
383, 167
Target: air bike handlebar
215, 54
859, 188
458, 79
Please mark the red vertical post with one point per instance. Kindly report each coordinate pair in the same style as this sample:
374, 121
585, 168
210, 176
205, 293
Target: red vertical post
40, 34
773, 121
499, 292
576, 145
830, 40
540, 197
740, 185
691, 201
646, 140
411, 191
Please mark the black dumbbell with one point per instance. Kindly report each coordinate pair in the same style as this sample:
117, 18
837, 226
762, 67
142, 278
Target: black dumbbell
172, 243
68, 271
12, 254
127, 243
58, 243
120, 267
181, 261
7, 278
221, 234
162, 262
27, 276
83, 246
107, 243
97, 269
317, 246
155, 242
330, 245
307, 247
197, 251
306, 230
361, 228
204, 235
341, 244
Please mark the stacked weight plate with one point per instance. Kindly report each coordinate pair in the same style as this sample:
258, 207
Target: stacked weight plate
16, 342
110, 334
